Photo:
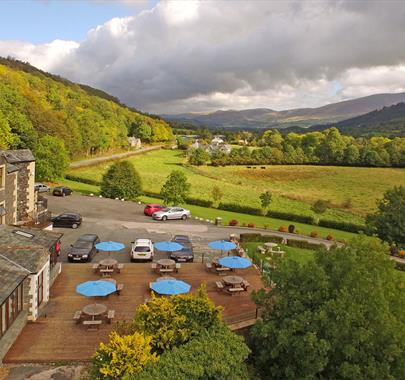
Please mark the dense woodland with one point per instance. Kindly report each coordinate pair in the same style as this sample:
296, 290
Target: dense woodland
35, 106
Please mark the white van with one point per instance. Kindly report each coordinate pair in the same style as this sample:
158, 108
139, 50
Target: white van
142, 249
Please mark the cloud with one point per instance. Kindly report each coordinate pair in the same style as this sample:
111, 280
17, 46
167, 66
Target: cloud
203, 55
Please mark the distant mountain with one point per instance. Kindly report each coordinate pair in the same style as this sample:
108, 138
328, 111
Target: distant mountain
302, 117
386, 121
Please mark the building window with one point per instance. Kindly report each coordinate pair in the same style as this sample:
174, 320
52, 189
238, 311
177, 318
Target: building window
40, 288
10, 309
2, 176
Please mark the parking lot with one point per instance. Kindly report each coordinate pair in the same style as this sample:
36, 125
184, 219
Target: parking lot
124, 222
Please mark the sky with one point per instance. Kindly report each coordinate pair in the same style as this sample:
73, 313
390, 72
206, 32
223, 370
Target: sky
180, 56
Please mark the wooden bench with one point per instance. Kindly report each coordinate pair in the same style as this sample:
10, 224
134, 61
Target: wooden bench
233, 291
119, 288
178, 266
245, 284
222, 270
110, 315
261, 249
95, 267
120, 267
154, 266
220, 285
106, 272
166, 270
93, 324
78, 316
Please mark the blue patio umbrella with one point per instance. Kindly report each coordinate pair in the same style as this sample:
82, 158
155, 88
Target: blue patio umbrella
98, 288
222, 245
110, 246
170, 287
235, 262
168, 246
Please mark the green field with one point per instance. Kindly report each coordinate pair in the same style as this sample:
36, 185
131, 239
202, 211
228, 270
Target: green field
295, 188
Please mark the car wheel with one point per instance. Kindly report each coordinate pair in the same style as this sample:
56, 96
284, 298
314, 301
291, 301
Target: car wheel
74, 226
164, 218
184, 217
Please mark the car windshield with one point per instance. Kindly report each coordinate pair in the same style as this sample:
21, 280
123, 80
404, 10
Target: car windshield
141, 249
166, 209
82, 244
181, 238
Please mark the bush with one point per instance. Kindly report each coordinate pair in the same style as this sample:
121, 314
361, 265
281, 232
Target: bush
252, 225
256, 237
400, 266
320, 206
239, 208
304, 244
294, 217
121, 181
199, 202
152, 194
88, 181
401, 254
329, 237
344, 226
314, 234
291, 228
233, 222
282, 229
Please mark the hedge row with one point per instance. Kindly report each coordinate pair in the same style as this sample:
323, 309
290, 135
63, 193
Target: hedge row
344, 226
304, 244
87, 181
239, 208
294, 217
199, 202
256, 237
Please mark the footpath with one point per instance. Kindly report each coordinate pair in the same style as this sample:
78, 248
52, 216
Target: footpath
97, 160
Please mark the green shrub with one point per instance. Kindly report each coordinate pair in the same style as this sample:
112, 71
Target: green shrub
88, 181
400, 266
304, 244
251, 237
199, 202
235, 207
344, 226
152, 194
307, 219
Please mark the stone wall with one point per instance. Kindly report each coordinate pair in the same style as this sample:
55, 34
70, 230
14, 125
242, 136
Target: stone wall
23, 191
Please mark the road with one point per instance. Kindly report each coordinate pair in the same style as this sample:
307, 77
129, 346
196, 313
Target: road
96, 160
124, 222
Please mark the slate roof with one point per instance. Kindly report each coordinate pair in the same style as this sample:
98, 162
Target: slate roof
11, 275
29, 251
17, 156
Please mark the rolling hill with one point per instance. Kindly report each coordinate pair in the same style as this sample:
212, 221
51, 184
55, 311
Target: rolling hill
304, 117
35, 104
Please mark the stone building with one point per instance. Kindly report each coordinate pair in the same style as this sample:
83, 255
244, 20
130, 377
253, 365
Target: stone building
17, 195
28, 266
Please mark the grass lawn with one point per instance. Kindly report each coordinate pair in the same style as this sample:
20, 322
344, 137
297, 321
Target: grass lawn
300, 255
295, 188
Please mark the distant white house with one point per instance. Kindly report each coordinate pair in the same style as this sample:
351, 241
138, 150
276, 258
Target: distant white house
134, 142
217, 140
216, 145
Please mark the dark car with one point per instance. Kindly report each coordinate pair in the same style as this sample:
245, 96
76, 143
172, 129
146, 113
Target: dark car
62, 191
68, 219
151, 208
84, 248
186, 254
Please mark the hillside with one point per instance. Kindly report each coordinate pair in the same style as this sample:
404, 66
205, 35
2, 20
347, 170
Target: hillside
303, 117
34, 104
389, 121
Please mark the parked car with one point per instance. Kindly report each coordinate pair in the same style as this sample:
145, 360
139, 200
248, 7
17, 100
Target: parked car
84, 248
62, 191
68, 219
152, 208
186, 254
142, 249
41, 187
172, 213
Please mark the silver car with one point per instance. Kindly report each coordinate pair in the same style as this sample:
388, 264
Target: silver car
41, 187
172, 213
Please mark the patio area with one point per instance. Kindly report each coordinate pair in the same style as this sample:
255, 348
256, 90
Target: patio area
56, 336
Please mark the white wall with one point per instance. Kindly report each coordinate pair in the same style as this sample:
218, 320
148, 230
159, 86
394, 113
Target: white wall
33, 311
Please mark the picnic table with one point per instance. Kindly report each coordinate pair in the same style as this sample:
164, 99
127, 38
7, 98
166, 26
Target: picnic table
164, 278
270, 245
233, 281
108, 263
94, 309
166, 263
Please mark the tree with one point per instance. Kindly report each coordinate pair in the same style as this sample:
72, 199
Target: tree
320, 206
122, 356
175, 189
216, 354
339, 316
142, 130
217, 194
273, 138
265, 200
331, 149
7, 138
121, 181
51, 158
389, 220
199, 157
172, 321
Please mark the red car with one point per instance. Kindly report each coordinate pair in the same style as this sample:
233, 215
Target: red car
151, 208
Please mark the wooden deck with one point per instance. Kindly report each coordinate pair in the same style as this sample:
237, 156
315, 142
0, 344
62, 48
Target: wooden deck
56, 337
